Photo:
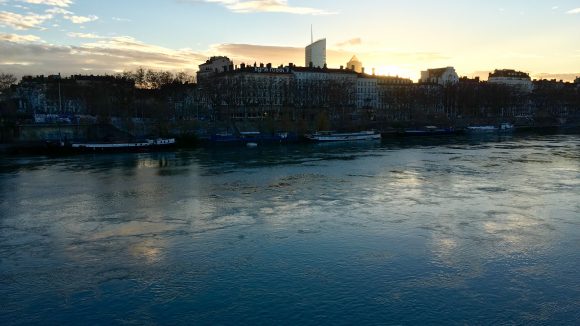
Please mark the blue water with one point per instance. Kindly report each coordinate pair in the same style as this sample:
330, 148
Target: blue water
479, 231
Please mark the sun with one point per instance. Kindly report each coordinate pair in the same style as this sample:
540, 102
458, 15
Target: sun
395, 71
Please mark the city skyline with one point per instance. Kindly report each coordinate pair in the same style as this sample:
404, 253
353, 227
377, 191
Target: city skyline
66, 36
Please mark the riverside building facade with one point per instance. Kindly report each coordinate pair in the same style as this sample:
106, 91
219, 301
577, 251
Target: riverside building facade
367, 93
293, 92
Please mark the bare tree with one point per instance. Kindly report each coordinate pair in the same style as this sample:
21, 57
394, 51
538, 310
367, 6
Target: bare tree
183, 77
6, 80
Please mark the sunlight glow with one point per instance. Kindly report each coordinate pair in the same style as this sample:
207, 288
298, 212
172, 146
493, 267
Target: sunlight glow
395, 71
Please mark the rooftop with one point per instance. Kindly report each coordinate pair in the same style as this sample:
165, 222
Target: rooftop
216, 58
509, 73
323, 40
281, 69
438, 72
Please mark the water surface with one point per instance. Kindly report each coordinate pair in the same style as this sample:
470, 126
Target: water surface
440, 231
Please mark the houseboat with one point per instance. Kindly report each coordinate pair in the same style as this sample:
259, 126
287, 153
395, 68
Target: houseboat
330, 136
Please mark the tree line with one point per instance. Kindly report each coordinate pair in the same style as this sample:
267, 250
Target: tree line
321, 104
156, 79
7, 80
143, 78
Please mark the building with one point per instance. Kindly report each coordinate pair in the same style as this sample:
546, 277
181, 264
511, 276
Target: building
291, 93
74, 95
320, 87
263, 90
393, 80
249, 92
441, 76
552, 84
395, 96
286, 93
367, 94
509, 77
257, 91
577, 81
355, 65
316, 54
213, 66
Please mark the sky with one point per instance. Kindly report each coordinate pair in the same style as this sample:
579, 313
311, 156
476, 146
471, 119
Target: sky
397, 38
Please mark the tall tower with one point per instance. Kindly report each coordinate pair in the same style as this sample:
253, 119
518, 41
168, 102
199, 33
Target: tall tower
316, 54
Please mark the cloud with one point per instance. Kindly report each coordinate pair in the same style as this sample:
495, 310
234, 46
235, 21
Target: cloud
105, 55
23, 22
279, 6
34, 20
250, 53
58, 11
351, 42
80, 19
56, 3
573, 11
15, 38
84, 35
69, 15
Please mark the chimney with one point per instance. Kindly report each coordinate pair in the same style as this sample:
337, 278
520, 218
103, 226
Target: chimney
363, 70
261, 65
269, 65
341, 67
243, 66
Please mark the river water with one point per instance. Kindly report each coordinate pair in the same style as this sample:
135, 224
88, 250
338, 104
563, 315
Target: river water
414, 231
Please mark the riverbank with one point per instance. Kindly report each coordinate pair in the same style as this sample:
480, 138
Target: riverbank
43, 147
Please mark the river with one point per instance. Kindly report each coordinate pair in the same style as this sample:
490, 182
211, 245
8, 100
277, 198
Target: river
410, 231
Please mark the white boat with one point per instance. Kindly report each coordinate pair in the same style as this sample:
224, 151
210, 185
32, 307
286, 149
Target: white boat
504, 127
123, 146
330, 136
477, 129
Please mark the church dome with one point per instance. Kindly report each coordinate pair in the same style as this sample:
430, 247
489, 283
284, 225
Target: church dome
354, 59
355, 64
